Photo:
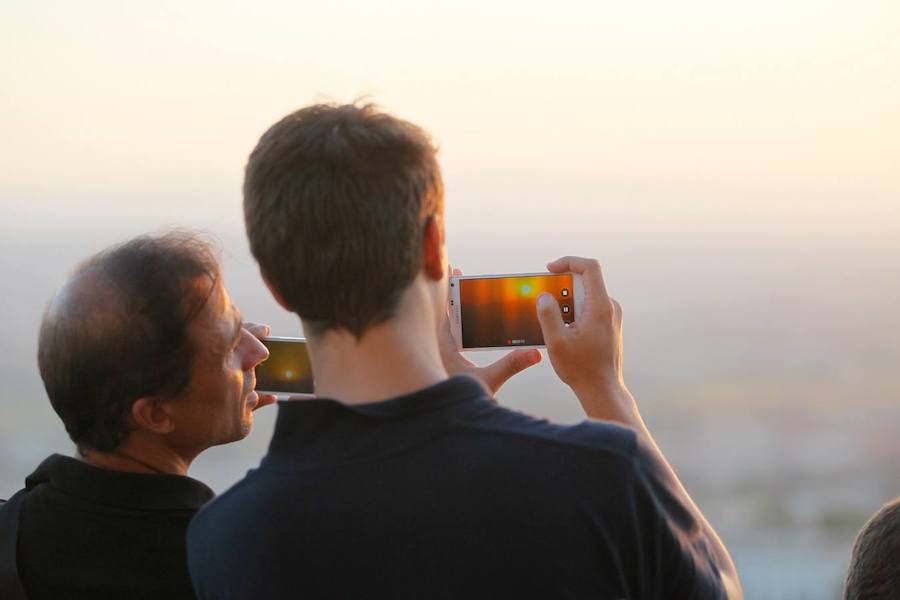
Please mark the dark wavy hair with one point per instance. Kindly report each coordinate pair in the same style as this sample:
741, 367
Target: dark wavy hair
119, 331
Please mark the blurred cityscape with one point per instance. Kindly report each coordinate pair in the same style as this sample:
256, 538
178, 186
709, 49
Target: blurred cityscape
766, 369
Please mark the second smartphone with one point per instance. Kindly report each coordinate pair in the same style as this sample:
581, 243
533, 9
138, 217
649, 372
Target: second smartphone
287, 371
489, 312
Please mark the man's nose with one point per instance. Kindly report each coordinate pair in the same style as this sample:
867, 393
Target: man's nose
256, 353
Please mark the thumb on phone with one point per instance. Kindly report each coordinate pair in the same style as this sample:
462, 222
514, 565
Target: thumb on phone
550, 319
498, 372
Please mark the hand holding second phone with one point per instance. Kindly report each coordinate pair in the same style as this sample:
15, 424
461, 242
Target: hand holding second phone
260, 332
587, 355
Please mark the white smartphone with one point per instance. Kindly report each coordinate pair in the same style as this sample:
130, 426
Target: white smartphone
287, 371
489, 312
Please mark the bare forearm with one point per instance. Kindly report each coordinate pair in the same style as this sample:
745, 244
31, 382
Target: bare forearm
615, 403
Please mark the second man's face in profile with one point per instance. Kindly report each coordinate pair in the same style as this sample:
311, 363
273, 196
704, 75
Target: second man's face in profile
217, 405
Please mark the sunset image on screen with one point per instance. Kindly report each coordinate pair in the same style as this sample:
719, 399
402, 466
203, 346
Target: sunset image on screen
501, 311
286, 370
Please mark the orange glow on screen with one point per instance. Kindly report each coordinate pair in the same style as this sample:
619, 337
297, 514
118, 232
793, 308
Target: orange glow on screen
286, 370
501, 311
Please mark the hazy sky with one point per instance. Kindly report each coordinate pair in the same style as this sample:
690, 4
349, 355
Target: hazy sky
735, 164
802, 92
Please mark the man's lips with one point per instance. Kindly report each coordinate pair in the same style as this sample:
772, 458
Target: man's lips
250, 395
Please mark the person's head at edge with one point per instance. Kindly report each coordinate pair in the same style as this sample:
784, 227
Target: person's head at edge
874, 573
145, 359
344, 213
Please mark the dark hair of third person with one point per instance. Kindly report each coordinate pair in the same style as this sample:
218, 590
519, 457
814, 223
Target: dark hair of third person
874, 572
335, 202
119, 331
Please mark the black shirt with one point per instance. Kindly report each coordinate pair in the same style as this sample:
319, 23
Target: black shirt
444, 494
86, 532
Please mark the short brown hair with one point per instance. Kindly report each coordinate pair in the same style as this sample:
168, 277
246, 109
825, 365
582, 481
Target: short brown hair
119, 331
874, 572
335, 203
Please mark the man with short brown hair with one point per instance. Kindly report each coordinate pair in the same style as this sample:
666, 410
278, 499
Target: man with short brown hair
359, 188
398, 480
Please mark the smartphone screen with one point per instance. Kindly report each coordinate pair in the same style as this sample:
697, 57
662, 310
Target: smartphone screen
497, 312
287, 370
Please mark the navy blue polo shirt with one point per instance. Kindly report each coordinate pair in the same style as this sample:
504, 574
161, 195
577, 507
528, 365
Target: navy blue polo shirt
444, 494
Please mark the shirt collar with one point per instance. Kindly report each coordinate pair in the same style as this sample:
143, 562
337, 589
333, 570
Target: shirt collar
445, 393
119, 488
323, 431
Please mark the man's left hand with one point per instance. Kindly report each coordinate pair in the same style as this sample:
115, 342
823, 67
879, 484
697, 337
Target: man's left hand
493, 375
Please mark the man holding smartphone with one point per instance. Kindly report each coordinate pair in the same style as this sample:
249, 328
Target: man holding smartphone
146, 361
399, 481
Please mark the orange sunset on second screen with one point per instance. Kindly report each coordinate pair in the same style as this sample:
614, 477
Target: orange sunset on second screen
286, 370
501, 311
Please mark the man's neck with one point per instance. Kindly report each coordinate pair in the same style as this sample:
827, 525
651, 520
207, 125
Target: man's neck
393, 358
139, 456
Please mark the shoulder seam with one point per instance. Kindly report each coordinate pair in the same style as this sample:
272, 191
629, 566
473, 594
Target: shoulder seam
628, 455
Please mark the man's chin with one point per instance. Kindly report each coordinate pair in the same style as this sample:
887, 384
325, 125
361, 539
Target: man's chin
241, 430
247, 417
246, 426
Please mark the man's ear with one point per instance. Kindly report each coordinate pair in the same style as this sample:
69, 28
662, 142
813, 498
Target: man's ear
433, 248
152, 414
276, 294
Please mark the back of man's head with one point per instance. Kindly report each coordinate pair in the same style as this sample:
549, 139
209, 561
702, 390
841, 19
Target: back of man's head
336, 199
874, 572
119, 330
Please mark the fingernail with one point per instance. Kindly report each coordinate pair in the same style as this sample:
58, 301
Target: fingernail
544, 298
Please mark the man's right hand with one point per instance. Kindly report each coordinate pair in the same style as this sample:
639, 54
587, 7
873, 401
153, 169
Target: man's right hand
587, 355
